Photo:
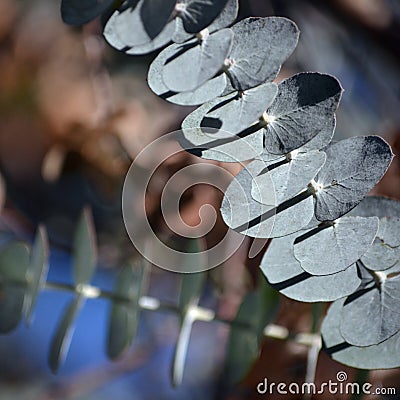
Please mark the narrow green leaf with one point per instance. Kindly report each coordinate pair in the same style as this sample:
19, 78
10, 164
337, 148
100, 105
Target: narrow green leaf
37, 271
63, 335
123, 326
11, 305
190, 291
124, 315
84, 249
191, 283
2, 192
243, 351
191, 287
14, 261
256, 311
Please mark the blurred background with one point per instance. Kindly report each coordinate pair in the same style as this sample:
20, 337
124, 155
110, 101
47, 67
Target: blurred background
74, 113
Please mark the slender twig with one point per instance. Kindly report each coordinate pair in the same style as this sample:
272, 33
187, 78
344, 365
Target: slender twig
149, 303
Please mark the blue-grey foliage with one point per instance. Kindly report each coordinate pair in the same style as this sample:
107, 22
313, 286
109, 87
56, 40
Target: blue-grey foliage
331, 242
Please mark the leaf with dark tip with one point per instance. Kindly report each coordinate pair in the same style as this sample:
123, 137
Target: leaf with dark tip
84, 249
372, 315
249, 217
235, 112
214, 144
118, 29
260, 46
385, 251
283, 271
158, 42
155, 15
353, 167
199, 14
196, 62
63, 335
303, 108
256, 311
380, 356
332, 248
37, 271
136, 24
124, 314
289, 176
224, 19
14, 260
206, 92
79, 12
318, 142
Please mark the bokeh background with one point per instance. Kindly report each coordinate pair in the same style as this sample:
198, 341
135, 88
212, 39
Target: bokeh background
74, 113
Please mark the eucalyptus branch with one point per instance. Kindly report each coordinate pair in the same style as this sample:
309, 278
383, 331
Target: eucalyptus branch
198, 313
